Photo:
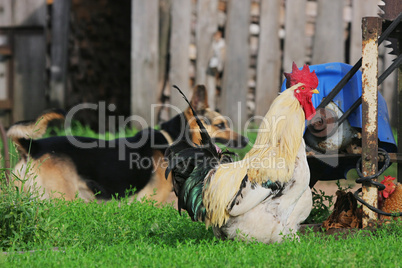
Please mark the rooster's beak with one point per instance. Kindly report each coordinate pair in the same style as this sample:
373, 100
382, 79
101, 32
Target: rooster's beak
314, 91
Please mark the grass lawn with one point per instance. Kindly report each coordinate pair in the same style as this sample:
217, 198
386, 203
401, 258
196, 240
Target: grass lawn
55, 233
118, 234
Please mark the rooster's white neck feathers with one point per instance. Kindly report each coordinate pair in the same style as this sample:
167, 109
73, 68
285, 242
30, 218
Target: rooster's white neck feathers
279, 136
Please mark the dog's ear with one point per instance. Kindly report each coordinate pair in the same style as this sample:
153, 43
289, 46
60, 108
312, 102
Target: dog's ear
200, 98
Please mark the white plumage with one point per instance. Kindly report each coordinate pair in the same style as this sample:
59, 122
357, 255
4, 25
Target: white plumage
274, 216
266, 195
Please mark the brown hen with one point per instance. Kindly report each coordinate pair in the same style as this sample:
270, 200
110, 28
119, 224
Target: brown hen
392, 196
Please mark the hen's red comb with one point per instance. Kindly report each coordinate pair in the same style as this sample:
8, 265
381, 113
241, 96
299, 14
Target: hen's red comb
304, 76
387, 179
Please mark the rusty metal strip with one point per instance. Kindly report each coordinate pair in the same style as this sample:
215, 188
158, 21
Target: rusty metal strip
371, 30
394, 157
400, 116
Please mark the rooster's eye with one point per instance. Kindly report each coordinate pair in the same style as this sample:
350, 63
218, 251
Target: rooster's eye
302, 88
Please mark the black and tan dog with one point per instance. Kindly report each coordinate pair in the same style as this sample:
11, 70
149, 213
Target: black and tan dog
70, 166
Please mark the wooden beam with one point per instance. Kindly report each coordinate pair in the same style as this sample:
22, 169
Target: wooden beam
164, 35
360, 9
29, 13
295, 44
207, 25
29, 99
235, 75
269, 56
59, 51
144, 60
329, 47
179, 52
6, 16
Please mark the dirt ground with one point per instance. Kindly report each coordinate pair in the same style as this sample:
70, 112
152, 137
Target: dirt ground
330, 187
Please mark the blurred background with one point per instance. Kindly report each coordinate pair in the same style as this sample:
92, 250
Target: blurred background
60, 53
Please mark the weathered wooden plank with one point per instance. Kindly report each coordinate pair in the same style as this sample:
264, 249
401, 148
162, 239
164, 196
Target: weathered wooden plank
58, 69
207, 25
163, 71
29, 13
235, 75
269, 56
329, 47
22, 13
360, 9
164, 29
6, 13
216, 61
144, 60
29, 74
295, 43
179, 73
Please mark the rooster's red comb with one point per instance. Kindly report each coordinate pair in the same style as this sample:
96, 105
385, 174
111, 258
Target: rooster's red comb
301, 76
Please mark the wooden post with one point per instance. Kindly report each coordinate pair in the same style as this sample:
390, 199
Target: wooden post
328, 45
163, 57
360, 9
29, 12
371, 27
58, 69
269, 58
164, 34
235, 75
6, 16
29, 68
207, 25
144, 60
179, 52
29, 58
295, 45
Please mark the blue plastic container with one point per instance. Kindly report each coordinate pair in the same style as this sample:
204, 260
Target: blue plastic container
329, 75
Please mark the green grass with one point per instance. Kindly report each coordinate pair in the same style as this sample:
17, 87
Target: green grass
118, 234
55, 233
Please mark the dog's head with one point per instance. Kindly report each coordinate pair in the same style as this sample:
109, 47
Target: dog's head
219, 127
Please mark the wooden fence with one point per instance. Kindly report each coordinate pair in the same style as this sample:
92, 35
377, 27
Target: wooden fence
22, 58
262, 38
172, 43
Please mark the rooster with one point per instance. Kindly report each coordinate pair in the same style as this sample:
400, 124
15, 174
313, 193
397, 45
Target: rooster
265, 195
390, 199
